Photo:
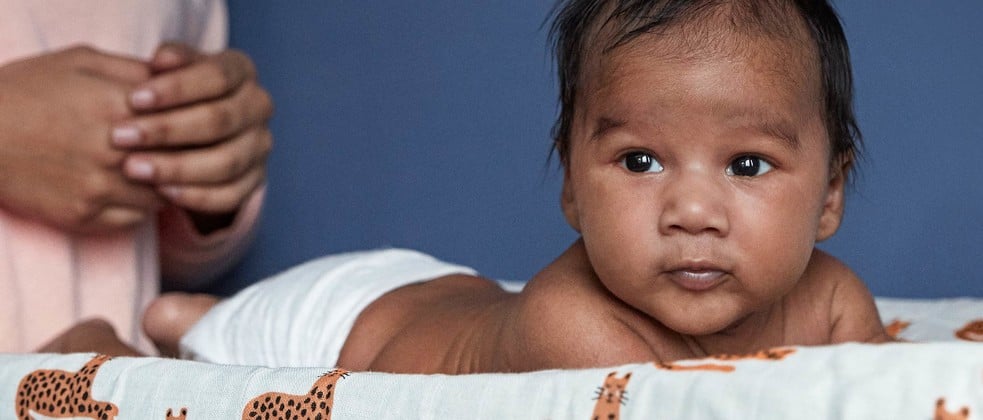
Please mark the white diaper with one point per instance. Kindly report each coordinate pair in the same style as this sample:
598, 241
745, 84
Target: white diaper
302, 317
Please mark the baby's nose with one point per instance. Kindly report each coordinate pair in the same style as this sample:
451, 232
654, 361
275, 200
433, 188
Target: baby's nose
694, 203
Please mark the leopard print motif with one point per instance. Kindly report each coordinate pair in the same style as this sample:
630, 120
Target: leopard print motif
973, 331
182, 416
942, 414
896, 327
314, 405
610, 397
58, 393
769, 354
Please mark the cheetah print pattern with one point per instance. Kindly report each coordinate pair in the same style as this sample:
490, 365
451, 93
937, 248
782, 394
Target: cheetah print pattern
972, 331
942, 414
896, 327
181, 416
314, 405
769, 354
610, 397
58, 393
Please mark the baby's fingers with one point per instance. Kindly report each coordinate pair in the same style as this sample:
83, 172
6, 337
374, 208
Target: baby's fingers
221, 198
205, 77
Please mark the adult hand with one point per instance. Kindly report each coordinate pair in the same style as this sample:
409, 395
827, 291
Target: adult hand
56, 165
201, 136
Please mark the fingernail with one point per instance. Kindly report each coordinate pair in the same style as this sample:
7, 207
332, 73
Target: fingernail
140, 169
168, 57
126, 136
171, 191
143, 98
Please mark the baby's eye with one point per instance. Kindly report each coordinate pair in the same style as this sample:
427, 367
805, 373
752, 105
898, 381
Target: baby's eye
748, 166
641, 162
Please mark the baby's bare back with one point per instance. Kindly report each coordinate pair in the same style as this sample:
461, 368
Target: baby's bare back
446, 325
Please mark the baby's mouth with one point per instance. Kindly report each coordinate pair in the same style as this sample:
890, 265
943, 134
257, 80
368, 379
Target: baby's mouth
697, 279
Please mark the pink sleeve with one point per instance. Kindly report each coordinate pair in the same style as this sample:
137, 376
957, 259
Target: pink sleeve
189, 260
214, 35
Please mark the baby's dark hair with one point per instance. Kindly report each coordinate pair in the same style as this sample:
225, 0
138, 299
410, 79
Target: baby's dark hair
577, 23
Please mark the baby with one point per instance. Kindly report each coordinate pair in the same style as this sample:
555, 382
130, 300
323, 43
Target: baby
706, 146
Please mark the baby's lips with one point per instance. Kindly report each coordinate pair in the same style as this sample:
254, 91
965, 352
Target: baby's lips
697, 279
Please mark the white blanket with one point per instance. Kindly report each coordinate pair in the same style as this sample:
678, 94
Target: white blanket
851, 381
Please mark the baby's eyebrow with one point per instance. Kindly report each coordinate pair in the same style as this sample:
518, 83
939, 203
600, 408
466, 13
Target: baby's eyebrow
604, 124
780, 130
772, 125
768, 123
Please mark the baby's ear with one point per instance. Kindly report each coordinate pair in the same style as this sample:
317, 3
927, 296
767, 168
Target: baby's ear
569, 203
833, 206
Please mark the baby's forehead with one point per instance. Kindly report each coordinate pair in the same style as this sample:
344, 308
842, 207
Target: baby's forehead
723, 31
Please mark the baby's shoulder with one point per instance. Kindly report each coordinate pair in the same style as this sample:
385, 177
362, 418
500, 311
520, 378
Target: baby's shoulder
839, 296
828, 276
566, 322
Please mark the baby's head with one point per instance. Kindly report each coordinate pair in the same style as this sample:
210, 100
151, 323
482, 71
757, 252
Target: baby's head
585, 32
705, 145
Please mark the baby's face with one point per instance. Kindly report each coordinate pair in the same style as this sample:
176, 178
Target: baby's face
700, 184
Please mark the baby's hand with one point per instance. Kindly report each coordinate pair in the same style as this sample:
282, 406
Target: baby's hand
201, 136
56, 165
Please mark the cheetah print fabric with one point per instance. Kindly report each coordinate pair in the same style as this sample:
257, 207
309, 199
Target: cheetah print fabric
57, 393
937, 376
314, 405
181, 415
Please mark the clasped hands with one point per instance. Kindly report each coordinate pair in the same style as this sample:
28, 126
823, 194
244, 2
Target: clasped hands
92, 142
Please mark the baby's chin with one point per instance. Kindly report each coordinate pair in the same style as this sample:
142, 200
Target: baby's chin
692, 324
697, 331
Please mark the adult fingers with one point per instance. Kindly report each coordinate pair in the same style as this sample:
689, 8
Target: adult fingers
96, 197
198, 124
106, 65
219, 163
172, 55
95, 206
215, 198
123, 208
207, 77
130, 194
114, 218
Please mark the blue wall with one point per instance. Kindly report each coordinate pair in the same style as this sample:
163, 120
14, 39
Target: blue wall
426, 125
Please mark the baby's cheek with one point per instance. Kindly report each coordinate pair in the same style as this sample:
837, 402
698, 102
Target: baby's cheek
780, 266
787, 230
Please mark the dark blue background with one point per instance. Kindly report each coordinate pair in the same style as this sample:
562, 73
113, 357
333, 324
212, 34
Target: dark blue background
426, 125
